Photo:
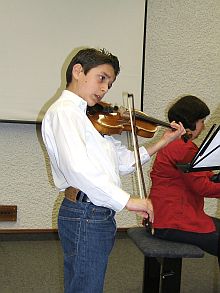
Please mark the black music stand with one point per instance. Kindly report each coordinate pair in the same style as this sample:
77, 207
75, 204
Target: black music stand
208, 155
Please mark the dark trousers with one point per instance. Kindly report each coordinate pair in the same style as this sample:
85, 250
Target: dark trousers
208, 242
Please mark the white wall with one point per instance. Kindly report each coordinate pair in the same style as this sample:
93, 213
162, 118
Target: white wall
25, 180
182, 56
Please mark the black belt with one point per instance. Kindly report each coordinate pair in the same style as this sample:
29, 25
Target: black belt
81, 196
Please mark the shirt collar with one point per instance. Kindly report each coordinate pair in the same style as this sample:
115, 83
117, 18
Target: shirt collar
82, 104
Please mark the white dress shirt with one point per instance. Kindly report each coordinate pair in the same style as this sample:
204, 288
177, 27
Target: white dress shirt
82, 158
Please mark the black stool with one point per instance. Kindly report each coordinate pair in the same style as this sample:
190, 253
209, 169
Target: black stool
162, 260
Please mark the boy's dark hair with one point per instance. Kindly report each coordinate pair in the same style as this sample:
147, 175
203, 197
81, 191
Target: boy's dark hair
90, 58
188, 110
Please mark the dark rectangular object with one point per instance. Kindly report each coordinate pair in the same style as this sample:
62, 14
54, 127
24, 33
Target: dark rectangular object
8, 213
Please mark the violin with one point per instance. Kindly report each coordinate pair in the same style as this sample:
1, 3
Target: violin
108, 119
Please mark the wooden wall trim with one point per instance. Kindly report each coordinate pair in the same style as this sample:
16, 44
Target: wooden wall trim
27, 231
40, 231
40, 234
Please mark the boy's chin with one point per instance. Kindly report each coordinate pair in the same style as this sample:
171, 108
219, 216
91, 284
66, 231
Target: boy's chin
91, 103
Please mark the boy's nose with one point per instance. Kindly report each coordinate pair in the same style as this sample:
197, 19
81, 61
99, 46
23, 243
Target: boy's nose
104, 88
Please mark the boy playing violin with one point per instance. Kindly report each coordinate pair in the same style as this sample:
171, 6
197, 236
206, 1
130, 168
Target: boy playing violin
88, 166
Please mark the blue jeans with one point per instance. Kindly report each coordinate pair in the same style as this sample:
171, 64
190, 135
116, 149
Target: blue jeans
87, 234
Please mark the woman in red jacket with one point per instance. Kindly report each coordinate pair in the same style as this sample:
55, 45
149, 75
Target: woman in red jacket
178, 198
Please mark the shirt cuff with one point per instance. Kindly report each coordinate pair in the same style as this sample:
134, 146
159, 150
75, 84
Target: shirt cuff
145, 157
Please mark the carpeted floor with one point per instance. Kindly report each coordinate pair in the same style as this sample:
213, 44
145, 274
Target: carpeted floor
37, 266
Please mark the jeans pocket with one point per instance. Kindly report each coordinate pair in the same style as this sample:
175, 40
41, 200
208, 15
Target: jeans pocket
97, 214
69, 231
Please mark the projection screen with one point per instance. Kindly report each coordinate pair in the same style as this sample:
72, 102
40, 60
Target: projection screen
38, 37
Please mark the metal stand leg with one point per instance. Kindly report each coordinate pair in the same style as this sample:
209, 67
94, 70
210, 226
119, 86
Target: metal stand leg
166, 281
171, 275
151, 282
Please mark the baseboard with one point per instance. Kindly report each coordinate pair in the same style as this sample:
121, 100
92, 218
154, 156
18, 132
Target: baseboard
40, 234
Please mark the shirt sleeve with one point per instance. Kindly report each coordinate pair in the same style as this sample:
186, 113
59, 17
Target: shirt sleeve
201, 184
126, 158
68, 130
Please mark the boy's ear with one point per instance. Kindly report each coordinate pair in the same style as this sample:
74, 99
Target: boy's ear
77, 69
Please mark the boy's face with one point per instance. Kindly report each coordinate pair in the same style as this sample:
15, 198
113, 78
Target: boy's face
94, 85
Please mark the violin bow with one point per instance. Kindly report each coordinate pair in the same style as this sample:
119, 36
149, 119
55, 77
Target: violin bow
140, 175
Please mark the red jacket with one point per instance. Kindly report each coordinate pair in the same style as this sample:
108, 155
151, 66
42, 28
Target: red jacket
178, 198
